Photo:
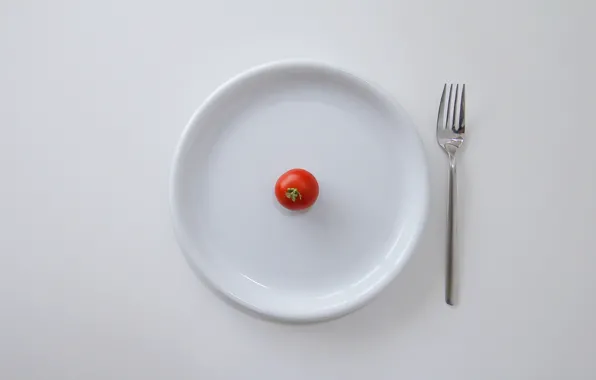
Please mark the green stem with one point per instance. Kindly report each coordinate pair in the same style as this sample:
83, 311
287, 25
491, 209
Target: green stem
293, 194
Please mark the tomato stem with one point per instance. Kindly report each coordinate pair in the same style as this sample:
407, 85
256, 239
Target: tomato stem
293, 194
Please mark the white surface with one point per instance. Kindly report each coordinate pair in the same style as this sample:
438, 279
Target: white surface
94, 96
368, 160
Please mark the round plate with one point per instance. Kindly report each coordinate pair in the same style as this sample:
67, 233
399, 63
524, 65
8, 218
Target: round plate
305, 266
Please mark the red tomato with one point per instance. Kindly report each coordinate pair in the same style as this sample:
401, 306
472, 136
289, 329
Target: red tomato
297, 189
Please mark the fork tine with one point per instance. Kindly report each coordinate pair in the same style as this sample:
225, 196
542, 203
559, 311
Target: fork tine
462, 110
441, 118
450, 109
455, 122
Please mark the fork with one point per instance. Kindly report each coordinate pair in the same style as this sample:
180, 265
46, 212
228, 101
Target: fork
451, 127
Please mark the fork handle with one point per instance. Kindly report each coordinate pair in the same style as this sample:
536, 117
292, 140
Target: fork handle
451, 231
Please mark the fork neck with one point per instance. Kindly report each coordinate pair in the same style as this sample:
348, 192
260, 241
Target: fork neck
450, 149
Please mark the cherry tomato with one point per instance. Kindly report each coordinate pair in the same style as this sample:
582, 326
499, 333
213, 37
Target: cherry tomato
297, 189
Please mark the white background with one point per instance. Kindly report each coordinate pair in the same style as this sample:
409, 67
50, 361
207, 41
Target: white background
94, 96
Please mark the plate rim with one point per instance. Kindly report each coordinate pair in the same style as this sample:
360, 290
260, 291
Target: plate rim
182, 241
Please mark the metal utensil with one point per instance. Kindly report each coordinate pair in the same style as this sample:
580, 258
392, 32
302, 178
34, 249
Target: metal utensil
451, 127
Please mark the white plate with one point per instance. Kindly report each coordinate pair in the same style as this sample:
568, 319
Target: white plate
372, 173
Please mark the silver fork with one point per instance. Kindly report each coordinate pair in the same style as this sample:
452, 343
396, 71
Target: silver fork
451, 127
